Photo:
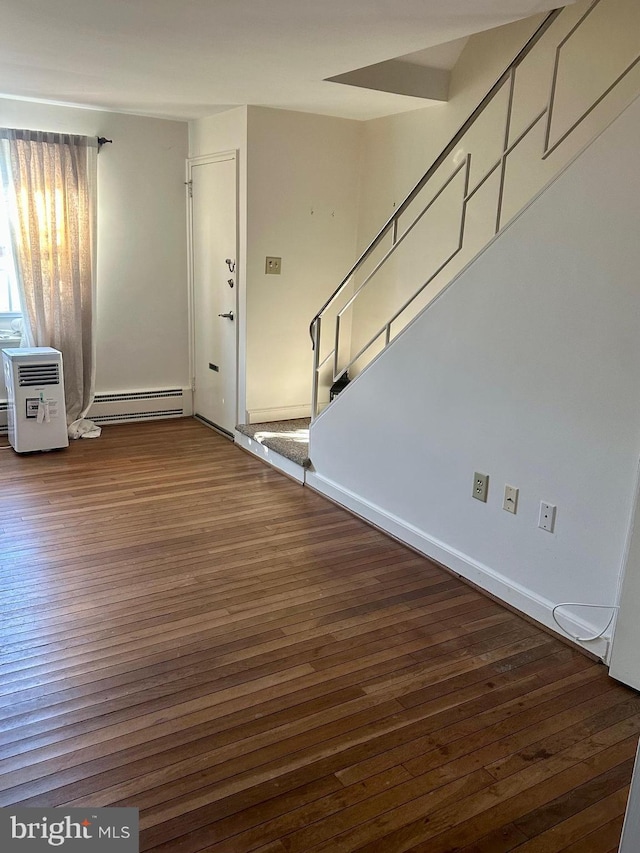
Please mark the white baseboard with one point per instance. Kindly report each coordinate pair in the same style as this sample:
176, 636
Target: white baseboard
523, 599
281, 413
149, 404
280, 463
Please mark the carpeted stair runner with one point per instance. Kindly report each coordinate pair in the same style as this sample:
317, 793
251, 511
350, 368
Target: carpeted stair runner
288, 438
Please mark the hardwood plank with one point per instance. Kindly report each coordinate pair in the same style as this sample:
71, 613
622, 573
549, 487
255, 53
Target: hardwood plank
361, 823
603, 840
573, 802
501, 840
579, 827
513, 797
443, 746
253, 827
410, 832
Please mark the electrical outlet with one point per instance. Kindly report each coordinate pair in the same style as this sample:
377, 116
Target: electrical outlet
510, 499
480, 486
547, 519
273, 266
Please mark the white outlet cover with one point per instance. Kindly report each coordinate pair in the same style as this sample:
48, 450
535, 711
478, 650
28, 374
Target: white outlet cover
480, 486
547, 518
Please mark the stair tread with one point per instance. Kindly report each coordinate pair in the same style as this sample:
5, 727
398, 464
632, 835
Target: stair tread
288, 438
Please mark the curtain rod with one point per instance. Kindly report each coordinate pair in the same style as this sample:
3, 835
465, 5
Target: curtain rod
102, 140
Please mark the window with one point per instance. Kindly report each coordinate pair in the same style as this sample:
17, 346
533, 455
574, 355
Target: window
9, 299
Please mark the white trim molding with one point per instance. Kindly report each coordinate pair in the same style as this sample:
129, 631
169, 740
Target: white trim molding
282, 413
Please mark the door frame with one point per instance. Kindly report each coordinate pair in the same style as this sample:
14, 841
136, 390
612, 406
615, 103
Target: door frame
192, 162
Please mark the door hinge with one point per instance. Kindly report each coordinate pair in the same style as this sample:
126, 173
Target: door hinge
189, 184
193, 384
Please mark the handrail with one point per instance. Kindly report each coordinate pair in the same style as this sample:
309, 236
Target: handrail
440, 159
451, 253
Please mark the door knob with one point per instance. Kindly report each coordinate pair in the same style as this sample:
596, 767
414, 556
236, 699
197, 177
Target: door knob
228, 315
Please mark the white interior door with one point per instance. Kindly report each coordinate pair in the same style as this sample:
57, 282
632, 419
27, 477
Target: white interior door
215, 302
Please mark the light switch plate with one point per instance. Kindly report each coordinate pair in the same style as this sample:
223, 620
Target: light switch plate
510, 499
273, 266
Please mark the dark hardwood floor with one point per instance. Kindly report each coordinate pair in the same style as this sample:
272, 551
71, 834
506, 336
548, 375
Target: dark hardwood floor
187, 631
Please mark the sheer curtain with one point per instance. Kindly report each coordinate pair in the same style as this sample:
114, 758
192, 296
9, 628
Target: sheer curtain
50, 180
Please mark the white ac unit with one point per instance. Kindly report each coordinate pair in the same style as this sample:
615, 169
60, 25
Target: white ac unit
37, 417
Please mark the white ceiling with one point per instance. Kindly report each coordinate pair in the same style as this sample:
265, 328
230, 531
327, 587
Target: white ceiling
190, 58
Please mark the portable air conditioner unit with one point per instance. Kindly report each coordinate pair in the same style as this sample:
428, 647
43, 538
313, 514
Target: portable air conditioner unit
37, 417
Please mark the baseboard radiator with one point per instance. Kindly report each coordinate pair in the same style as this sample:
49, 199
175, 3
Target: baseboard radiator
126, 406
123, 407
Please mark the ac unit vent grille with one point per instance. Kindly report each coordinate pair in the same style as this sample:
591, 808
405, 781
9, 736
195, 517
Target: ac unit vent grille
39, 374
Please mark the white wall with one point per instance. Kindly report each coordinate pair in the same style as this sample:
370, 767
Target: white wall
302, 206
142, 331
224, 131
525, 368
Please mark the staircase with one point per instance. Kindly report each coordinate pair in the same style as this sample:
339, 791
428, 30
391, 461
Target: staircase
492, 326
573, 77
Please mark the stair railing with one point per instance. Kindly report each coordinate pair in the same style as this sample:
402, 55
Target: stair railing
332, 363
